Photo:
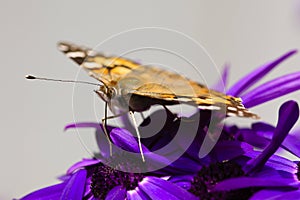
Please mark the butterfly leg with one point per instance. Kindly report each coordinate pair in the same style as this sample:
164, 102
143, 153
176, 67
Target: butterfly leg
104, 125
146, 121
175, 116
138, 134
143, 116
170, 113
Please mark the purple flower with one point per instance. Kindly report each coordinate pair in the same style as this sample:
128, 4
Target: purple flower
269, 138
104, 178
96, 178
248, 172
262, 135
263, 173
267, 91
279, 193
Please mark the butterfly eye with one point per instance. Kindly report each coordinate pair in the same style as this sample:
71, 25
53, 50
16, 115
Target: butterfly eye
111, 93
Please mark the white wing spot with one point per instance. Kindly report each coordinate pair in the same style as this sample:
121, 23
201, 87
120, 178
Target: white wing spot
90, 65
76, 54
184, 99
63, 47
240, 113
231, 114
210, 107
232, 108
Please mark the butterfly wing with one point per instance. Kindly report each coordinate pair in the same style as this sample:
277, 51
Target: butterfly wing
164, 85
155, 84
103, 68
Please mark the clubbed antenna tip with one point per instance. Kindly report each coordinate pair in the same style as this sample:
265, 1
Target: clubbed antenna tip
30, 77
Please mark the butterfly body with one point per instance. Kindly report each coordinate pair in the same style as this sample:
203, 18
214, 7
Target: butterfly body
130, 86
121, 100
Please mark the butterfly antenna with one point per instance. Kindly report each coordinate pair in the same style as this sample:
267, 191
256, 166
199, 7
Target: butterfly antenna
95, 77
31, 77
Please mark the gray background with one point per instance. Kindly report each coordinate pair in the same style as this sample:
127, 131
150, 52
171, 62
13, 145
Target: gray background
34, 149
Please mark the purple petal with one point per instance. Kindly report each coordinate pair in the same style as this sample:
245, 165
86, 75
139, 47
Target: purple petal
51, 192
81, 164
64, 177
276, 195
259, 135
261, 126
157, 188
264, 135
83, 125
227, 150
182, 165
75, 187
292, 144
92, 198
249, 136
104, 145
245, 182
184, 184
247, 81
175, 179
274, 173
117, 193
156, 161
221, 85
288, 115
182, 181
276, 162
272, 89
88, 191
95, 125
283, 164
267, 194
133, 195
137, 194
124, 139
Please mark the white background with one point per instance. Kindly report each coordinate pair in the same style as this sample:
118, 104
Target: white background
33, 147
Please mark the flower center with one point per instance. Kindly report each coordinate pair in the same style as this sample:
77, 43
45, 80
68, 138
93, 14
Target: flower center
106, 178
209, 176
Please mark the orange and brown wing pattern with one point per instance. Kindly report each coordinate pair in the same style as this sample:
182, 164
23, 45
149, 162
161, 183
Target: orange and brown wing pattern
151, 82
106, 69
169, 86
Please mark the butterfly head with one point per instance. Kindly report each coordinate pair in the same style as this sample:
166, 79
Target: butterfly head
106, 93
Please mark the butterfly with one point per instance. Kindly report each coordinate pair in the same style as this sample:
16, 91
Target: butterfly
128, 86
